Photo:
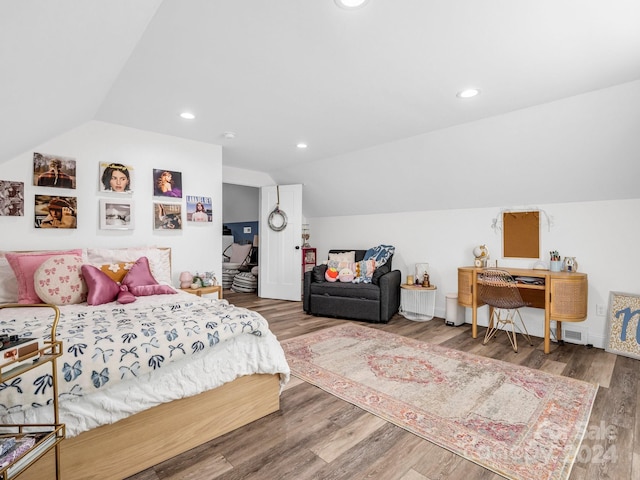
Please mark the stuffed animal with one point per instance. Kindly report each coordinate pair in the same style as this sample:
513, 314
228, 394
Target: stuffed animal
331, 275
346, 275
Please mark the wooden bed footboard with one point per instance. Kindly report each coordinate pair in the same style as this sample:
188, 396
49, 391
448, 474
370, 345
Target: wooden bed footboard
138, 442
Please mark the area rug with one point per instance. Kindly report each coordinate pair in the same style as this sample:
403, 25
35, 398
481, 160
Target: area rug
518, 422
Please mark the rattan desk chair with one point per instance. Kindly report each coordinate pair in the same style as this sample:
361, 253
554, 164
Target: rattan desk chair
498, 289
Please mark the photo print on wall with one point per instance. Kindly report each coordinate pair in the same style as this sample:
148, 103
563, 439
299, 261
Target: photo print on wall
167, 216
167, 183
199, 209
11, 198
54, 171
55, 212
116, 177
116, 214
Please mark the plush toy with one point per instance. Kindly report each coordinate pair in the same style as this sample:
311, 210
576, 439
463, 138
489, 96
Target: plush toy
346, 275
331, 275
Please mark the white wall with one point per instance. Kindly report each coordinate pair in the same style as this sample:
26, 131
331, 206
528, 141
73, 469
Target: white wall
195, 247
601, 235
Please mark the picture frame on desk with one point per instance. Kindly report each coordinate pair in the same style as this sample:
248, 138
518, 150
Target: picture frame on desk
623, 324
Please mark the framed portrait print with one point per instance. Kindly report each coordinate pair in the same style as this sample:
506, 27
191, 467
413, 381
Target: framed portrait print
54, 171
199, 209
11, 198
167, 216
116, 178
116, 214
167, 183
623, 324
55, 212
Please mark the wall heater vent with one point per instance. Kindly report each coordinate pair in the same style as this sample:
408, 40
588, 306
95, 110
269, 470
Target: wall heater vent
575, 334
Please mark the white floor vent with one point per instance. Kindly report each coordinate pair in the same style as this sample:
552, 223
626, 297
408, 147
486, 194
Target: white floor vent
575, 334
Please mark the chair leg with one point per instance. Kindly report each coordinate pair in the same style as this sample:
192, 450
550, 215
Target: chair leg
492, 328
524, 331
497, 320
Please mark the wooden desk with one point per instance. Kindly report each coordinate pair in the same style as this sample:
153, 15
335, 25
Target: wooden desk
563, 296
204, 290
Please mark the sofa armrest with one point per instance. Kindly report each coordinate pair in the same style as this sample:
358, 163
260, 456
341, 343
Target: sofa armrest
306, 291
389, 294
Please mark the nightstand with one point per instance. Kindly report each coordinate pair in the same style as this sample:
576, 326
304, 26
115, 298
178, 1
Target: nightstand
417, 303
205, 290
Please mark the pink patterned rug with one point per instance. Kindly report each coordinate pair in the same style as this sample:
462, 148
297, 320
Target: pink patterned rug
518, 422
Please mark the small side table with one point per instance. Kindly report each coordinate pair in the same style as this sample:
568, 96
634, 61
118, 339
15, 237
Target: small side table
417, 303
205, 290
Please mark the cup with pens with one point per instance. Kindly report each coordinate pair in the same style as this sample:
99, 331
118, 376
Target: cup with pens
555, 265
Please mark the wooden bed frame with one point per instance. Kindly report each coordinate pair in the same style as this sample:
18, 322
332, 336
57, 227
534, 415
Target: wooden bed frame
152, 436
147, 438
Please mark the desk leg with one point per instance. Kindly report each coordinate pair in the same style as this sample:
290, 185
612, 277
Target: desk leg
474, 321
547, 319
559, 331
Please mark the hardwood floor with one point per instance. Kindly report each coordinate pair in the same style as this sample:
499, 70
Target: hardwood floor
318, 436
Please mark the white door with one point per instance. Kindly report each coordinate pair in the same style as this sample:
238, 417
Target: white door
280, 255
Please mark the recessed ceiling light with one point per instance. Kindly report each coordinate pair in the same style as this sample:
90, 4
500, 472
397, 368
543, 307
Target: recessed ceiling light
187, 115
351, 4
302, 145
468, 93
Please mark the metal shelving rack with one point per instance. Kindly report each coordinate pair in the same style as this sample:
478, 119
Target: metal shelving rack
54, 433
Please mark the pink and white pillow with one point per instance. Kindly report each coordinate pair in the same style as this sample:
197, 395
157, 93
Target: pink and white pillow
59, 280
24, 266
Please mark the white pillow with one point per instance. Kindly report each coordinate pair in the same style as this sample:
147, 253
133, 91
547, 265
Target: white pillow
343, 257
8, 282
159, 259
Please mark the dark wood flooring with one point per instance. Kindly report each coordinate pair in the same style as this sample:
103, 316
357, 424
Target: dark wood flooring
318, 436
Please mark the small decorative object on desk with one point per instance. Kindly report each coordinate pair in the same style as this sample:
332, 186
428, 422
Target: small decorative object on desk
482, 256
570, 264
555, 264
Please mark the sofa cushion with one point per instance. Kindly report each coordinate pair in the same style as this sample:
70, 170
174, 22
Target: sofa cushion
318, 273
380, 254
379, 272
366, 291
343, 256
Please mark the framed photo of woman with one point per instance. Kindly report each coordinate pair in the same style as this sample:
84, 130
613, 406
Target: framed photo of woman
116, 214
116, 178
167, 183
199, 209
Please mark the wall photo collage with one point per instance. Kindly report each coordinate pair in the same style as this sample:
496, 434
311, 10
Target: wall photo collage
116, 181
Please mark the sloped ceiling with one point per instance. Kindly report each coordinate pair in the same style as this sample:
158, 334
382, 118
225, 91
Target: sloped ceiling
280, 72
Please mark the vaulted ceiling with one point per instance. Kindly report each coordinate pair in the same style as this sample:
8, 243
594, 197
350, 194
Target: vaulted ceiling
280, 72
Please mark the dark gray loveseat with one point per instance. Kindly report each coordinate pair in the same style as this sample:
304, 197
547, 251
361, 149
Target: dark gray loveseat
373, 302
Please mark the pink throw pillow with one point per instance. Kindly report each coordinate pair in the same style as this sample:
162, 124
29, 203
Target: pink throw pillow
140, 281
24, 265
102, 289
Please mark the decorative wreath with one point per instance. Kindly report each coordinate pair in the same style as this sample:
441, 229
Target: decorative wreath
277, 213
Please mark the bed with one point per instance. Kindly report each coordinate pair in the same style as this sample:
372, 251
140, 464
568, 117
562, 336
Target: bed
141, 382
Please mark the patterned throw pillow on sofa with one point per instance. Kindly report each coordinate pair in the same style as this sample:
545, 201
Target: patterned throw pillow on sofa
380, 254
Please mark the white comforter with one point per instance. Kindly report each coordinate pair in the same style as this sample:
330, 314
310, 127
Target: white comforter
122, 359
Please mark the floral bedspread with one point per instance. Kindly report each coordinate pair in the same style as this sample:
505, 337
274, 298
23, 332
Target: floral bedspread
110, 343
